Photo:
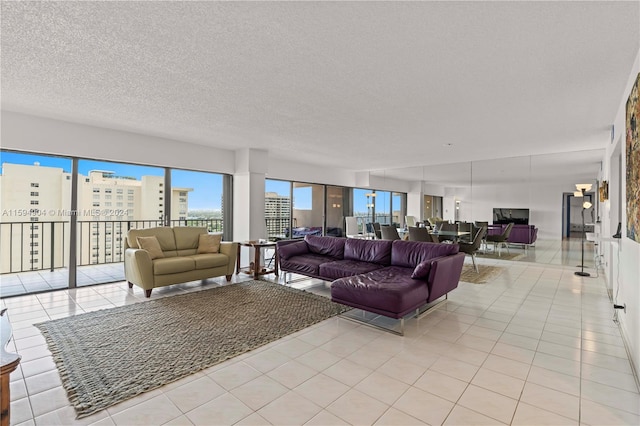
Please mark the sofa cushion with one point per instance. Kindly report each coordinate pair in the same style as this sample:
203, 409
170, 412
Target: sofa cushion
329, 246
289, 250
422, 270
346, 268
173, 265
187, 237
374, 251
306, 264
151, 245
163, 234
209, 243
389, 290
410, 253
210, 260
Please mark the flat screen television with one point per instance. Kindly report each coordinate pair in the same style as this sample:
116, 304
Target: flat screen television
517, 216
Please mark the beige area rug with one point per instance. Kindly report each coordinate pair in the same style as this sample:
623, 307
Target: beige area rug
108, 356
486, 273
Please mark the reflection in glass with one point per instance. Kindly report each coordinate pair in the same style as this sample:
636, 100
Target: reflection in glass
308, 208
383, 207
335, 210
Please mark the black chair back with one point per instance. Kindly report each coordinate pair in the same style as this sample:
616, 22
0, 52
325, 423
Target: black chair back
376, 230
507, 231
419, 234
389, 233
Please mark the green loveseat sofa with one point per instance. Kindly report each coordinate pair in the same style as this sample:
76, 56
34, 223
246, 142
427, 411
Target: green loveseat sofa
179, 260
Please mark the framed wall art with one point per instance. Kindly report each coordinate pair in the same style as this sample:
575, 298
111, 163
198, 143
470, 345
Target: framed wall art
633, 163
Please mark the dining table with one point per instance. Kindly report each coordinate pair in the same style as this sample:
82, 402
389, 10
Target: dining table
455, 235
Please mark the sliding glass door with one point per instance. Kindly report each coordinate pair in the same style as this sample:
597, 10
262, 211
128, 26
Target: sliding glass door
35, 222
64, 220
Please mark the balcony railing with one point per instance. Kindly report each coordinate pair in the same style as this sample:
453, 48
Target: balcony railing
32, 246
278, 228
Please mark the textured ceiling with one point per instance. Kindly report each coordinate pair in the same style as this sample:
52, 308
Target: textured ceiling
382, 86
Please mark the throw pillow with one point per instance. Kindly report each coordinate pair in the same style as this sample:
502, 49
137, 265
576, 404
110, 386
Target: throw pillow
151, 245
422, 270
209, 243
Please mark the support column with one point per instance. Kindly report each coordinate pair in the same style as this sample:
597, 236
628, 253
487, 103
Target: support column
248, 195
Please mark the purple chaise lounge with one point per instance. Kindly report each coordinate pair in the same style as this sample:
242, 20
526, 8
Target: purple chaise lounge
390, 278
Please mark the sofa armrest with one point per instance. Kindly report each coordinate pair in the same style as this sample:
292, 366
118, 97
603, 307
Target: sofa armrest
444, 275
138, 268
231, 250
291, 248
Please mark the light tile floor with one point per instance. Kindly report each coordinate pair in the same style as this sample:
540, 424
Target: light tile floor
537, 345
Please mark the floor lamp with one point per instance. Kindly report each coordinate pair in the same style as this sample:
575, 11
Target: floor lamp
582, 188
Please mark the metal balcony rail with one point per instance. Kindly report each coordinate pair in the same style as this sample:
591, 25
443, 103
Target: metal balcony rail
33, 246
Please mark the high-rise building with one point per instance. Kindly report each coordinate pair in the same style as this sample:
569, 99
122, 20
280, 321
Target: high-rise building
36, 212
277, 210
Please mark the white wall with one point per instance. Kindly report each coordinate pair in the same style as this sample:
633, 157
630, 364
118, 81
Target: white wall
544, 201
624, 267
304, 172
42, 135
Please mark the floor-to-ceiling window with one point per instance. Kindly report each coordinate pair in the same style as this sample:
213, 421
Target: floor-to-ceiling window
35, 222
113, 198
398, 207
296, 209
383, 207
197, 199
56, 218
363, 207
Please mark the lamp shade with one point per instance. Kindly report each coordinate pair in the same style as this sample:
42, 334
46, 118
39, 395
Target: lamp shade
586, 205
577, 194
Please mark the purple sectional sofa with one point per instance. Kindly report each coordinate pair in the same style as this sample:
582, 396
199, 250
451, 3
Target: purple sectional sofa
391, 278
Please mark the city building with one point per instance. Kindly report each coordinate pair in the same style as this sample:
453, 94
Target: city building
108, 205
277, 211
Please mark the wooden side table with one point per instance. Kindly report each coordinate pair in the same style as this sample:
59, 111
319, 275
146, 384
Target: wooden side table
256, 269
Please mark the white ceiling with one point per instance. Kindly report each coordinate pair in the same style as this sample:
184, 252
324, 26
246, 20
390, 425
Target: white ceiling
380, 86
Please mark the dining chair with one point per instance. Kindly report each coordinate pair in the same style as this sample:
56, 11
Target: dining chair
484, 225
446, 226
410, 221
501, 239
434, 220
389, 232
351, 227
472, 247
376, 230
419, 234
466, 227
